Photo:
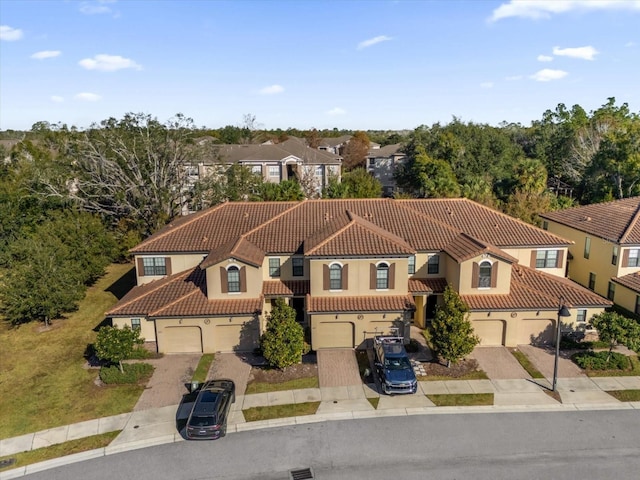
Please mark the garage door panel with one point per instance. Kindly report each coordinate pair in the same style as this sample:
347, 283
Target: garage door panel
334, 335
232, 338
184, 339
536, 331
491, 332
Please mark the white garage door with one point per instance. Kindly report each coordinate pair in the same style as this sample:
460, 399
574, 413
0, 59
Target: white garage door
334, 335
231, 338
536, 331
491, 332
182, 340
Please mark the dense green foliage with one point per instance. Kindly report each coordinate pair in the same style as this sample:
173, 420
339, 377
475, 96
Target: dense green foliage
116, 344
602, 360
451, 331
283, 343
358, 183
616, 329
132, 373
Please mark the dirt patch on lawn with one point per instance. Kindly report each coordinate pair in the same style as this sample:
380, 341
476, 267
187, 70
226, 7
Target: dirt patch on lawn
463, 368
266, 374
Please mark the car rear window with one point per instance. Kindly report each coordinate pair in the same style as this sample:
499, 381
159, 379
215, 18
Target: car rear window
202, 421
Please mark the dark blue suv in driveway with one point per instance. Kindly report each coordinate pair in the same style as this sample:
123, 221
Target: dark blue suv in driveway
393, 366
208, 417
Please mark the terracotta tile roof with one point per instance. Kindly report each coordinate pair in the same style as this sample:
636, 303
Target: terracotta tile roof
617, 221
535, 290
427, 285
464, 247
241, 249
391, 303
631, 281
183, 294
286, 288
358, 237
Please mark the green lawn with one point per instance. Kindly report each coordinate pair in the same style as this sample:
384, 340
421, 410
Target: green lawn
475, 375
461, 399
200, 375
23, 459
280, 411
626, 395
632, 372
263, 387
526, 364
374, 401
43, 379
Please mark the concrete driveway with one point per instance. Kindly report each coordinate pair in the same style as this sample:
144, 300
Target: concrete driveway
543, 359
498, 363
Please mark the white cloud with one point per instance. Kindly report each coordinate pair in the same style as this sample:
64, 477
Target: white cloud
630, 44
545, 58
271, 90
513, 78
373, 41
88, 97
95, 8
585, 53
337, 111
10, 34
57, 98
108, 63
46, 54
537, 9
486, 85
546, 75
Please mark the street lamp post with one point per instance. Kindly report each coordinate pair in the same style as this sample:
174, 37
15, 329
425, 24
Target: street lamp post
563, 311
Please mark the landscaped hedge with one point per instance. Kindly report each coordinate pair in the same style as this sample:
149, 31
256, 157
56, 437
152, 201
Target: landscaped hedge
133, 373
598, 361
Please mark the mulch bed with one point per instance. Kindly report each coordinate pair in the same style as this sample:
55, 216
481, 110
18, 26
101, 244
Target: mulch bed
462, 368
264, 374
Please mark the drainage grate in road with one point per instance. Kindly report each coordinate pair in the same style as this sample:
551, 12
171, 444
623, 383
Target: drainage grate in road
301, 474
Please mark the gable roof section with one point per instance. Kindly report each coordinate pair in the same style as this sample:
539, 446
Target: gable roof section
617, 221
464, 247
358, 237
183, 294
631, 281
241, 249
427, 285
285, 288
390, 303
535, 290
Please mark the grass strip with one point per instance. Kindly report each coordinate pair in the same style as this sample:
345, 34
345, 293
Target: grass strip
200, 374
633, 372
461, 399
295, 384
476, 375
524, 361
625, 395
23, 459
255, 414
374, 401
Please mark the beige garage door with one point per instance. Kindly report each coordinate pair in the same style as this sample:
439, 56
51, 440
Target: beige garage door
334, 335
182, 340
231, 338
536, 331
491, 332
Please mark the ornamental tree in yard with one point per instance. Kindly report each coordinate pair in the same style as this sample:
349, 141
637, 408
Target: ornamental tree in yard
115, 344
452, 334
283, 342
615, 329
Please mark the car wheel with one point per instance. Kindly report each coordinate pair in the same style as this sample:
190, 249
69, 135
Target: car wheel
223, 432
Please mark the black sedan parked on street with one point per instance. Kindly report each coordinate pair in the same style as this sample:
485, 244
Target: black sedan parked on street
208, 418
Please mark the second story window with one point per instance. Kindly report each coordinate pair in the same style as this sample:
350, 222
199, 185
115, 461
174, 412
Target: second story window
233, 279
587, 247
614, 255
154, 266
382, 276
634, 258
484, 275
546, 258
335, 277
412, 264
611, 291
592, 281
433, 265
298, 267
274, 267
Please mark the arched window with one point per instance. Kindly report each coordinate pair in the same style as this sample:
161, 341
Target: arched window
382, 276
484, 275
233, 279
335, 277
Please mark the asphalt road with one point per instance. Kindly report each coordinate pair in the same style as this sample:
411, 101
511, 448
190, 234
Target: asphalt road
573, 445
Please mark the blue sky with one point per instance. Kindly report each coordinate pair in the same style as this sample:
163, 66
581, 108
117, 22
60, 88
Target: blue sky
323, 64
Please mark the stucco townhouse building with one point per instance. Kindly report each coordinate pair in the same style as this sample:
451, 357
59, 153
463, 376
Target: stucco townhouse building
351, 269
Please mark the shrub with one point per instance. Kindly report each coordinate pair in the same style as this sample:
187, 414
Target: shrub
133, 373
283, 343
598, 361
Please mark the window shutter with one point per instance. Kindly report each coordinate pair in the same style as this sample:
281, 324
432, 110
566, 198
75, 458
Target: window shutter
345, 277
224, 287
474, 275
243, 279
392, 276
534, 255
625, 257
560, 258
141, 267
494, 275
325, 277
372, 276
167, 265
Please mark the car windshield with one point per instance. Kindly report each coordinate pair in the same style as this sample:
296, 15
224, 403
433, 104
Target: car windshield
398, 363
202, 421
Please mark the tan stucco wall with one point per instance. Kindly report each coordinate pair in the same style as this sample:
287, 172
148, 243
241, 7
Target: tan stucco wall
622, 271
422, 268
286, 268
366, 327
625, 297
359, 275
179, 263
147, 328
254, 281
524, 258
503, 280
